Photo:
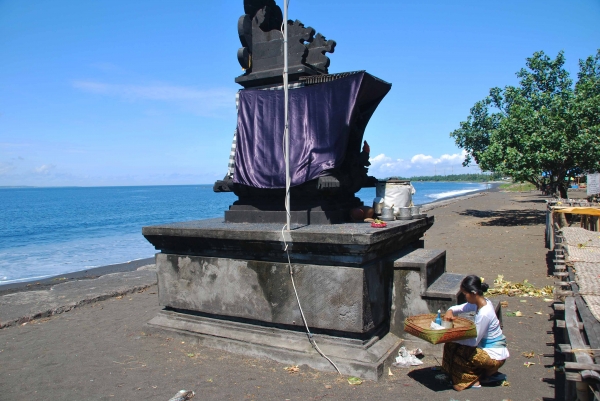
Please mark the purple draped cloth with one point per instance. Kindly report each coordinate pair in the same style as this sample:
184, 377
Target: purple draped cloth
320, 118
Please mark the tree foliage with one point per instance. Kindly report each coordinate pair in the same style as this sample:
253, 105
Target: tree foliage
544, 130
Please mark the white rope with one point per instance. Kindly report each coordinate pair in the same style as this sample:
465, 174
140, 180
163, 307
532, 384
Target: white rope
287, 207
308, 333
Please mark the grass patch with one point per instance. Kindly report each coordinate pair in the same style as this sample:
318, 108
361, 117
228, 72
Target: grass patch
518, 187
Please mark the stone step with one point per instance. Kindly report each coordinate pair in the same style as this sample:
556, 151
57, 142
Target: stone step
447, 286
431, 264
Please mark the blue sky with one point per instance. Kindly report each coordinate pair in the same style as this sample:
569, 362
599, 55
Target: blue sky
142, 92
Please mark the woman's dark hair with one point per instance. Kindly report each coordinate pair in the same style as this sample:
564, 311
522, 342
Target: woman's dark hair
473, 284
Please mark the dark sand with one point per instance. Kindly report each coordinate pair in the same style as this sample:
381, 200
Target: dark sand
91, 273
103, 351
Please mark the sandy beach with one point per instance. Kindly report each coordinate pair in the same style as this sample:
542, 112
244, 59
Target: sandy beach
104, 351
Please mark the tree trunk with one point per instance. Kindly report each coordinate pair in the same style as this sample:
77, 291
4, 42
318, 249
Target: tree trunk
562, 190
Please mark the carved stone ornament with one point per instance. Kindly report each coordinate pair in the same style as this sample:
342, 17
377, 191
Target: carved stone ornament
261, 54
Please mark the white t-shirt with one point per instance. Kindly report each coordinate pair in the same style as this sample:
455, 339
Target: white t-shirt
487, 325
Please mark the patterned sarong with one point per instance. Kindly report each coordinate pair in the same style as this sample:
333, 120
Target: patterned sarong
465, 364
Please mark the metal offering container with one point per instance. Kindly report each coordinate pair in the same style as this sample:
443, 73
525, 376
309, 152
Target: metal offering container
387, 214
404, 213
378, 205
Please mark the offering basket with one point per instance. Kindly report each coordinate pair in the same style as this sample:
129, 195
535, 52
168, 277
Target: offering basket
418, 326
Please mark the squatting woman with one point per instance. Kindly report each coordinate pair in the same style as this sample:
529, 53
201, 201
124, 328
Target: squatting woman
475, 360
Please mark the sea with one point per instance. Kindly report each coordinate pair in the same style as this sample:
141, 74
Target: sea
45, 232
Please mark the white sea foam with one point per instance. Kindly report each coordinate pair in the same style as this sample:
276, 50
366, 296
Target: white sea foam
20, 280
35, 262
452, 193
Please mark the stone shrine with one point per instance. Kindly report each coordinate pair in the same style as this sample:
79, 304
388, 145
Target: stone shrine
226, 282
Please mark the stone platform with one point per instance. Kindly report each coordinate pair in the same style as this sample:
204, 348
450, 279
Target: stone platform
229, 285
349, 244
363, 358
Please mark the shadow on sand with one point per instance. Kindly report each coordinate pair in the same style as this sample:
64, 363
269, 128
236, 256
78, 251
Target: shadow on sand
508, 218
436, 380
532, 200
432, 379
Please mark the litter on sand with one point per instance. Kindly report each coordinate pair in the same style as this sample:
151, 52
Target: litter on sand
416, 352
183, 395
406, 359
355, 381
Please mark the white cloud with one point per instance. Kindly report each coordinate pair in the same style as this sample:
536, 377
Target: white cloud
386, 165
421, 159
45, 168
200, 101
445, 159
420, 164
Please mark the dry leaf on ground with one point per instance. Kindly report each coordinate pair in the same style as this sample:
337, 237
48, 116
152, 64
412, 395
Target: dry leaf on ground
528, 354
524, 289
292, 369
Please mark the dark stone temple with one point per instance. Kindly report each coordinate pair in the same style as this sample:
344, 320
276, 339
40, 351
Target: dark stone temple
226, 282
328, 117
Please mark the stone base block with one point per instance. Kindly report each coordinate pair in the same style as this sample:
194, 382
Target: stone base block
350, 300
353, 357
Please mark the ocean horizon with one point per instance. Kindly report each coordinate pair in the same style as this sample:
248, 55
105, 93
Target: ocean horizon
49, 231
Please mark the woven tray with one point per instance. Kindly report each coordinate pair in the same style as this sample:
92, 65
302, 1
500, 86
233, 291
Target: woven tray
418, 326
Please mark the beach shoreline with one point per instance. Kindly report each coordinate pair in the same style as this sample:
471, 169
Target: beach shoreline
86, 274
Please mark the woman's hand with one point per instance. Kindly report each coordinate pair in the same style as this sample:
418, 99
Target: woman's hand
449, 315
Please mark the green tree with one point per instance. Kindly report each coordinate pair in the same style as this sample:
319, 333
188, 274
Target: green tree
542, 131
